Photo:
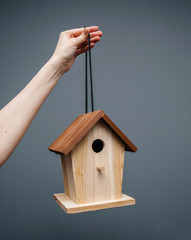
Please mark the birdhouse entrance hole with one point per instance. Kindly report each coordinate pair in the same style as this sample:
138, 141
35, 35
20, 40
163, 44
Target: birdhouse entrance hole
97, 145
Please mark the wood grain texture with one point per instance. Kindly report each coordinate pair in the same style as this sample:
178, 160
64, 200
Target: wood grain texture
118, 156
90, 184
69, 206
80, 127
68, 176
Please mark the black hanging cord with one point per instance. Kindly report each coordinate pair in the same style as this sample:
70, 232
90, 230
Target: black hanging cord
91, 81
86, 81
86, 77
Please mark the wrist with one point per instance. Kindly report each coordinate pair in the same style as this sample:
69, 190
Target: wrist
57, 65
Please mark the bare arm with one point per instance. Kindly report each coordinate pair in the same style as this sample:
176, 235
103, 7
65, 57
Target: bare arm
17, 115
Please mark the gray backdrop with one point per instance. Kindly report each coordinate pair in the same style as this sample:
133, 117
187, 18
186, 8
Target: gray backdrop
141, 72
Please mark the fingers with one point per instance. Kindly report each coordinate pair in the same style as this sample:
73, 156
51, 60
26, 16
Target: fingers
82, 38
80, 35
95, 34
84, 44
78, 31
92, 40
73, 33
85, 49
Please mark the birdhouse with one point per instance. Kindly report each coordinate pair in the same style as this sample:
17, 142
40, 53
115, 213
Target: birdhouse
92, 155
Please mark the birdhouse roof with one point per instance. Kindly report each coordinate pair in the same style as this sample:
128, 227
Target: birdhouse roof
80, 127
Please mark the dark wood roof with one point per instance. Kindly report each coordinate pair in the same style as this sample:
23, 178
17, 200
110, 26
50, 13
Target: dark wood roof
80, 127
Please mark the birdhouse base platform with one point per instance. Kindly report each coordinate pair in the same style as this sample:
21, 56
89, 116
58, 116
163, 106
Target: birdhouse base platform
69, 206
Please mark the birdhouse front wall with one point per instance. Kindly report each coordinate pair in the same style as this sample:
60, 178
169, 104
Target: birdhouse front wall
93, 170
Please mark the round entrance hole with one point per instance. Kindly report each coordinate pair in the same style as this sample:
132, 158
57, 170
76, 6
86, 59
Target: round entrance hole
97, 145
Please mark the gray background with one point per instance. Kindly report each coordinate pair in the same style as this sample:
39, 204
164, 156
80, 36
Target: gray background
141, 71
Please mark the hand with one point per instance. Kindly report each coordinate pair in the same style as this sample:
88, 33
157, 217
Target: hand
72, 43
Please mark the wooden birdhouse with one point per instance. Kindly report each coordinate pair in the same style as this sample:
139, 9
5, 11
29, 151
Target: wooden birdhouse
92, 154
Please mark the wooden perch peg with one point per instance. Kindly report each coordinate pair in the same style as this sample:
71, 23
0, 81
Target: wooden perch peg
100, 168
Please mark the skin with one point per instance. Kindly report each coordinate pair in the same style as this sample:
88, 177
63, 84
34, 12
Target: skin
17, 115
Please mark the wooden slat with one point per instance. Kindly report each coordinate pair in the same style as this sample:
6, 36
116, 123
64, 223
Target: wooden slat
69, 206
80, 127
68, 176
118, 156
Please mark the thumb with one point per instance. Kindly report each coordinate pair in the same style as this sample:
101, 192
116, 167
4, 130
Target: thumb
83, 37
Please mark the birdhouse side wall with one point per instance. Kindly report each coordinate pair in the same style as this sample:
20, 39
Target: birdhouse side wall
68, 176
98, 175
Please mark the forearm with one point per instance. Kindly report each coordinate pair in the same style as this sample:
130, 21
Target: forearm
17, 115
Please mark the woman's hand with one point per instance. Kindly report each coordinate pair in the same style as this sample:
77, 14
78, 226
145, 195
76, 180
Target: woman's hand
72, 43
